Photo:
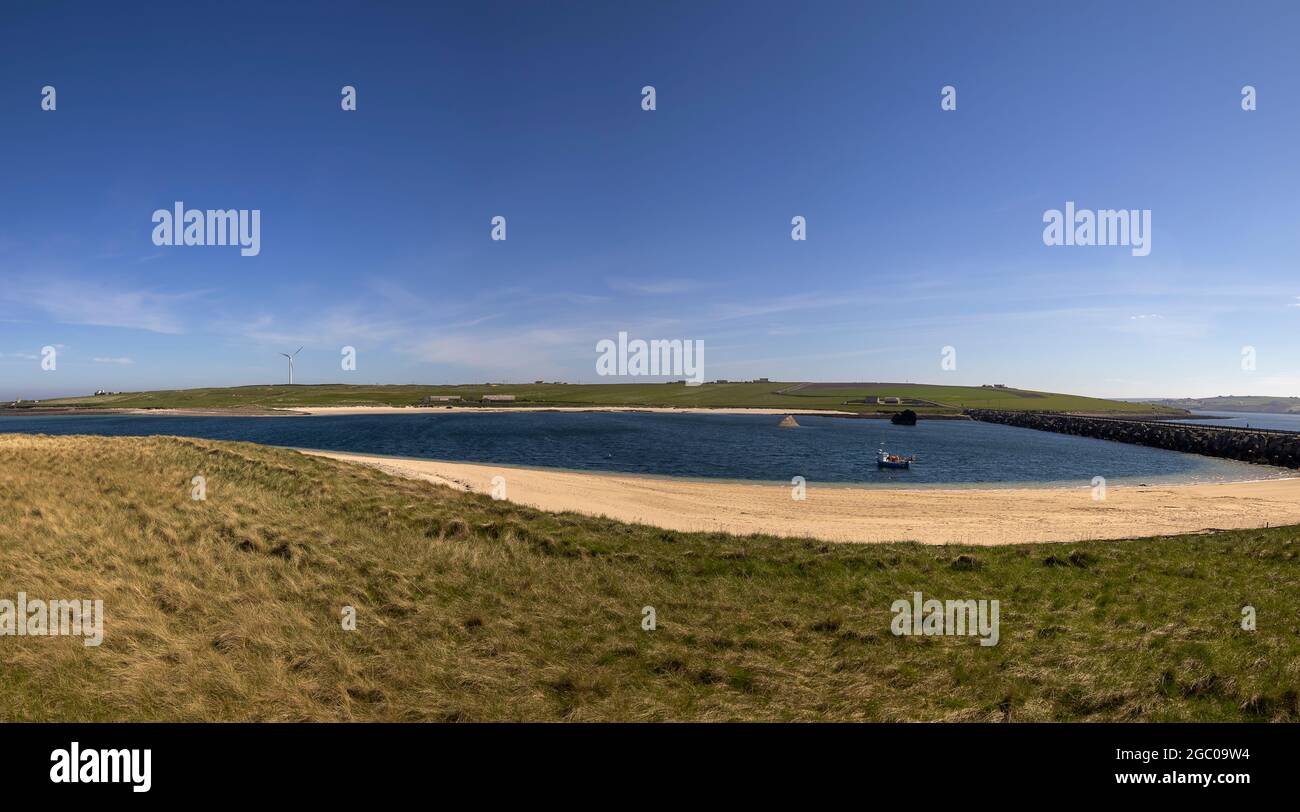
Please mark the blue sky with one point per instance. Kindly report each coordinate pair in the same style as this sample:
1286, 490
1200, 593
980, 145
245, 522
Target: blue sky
924, 226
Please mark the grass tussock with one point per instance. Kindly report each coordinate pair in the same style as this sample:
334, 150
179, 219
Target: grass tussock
470, 609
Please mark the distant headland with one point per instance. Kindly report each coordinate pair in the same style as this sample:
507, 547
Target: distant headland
856, 399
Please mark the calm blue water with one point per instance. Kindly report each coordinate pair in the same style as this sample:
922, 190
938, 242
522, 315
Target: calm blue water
741, 447
1254, 420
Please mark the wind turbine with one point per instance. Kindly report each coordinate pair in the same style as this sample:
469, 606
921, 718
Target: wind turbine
290, 357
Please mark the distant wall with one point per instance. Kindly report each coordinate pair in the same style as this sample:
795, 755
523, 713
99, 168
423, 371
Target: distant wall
1247, 445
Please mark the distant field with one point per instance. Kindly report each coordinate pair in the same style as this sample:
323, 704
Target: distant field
1236, 403
945, 399
470, 609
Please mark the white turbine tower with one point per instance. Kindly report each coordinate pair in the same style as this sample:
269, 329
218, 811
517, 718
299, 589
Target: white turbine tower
290, 357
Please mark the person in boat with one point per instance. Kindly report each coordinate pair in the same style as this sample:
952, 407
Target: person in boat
884, 459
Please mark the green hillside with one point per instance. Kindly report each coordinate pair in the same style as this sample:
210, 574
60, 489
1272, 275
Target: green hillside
1265, 404
926, 398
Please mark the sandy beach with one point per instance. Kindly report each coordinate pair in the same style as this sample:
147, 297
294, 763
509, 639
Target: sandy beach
345, 410
328, 411
988, 516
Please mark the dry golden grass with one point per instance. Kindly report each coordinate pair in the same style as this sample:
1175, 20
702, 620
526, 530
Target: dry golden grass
469, 609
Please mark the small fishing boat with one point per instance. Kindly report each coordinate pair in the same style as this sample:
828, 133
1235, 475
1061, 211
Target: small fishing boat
887, 460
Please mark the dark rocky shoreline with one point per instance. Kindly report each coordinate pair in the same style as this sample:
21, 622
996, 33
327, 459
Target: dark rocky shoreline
1263, 446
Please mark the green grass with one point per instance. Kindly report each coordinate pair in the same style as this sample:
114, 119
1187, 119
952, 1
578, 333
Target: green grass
1237, 403
470, 609
951, 399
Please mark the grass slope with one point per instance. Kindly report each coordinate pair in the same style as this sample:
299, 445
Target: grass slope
1236, 403
470, 609
761, 395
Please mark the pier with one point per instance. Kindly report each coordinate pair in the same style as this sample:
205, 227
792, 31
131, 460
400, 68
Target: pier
1264, 446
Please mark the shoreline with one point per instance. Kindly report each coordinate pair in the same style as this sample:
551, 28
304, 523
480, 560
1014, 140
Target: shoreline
80, 411
1132, 481
854, 514
339, 411
326, 411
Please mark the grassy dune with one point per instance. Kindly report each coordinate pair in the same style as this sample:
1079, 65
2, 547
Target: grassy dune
949, 399
470, 609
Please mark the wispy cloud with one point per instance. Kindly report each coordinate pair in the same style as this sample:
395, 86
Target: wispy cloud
531, 351
653, 287
31, 356
100, 360
784, 304
98, 305
335, 327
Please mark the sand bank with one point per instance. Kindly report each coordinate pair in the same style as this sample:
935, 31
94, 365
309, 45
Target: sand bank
951, 516
201, 411
342, 410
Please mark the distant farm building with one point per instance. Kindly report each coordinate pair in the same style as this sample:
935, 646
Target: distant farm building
888, 400
440, 399
498, 398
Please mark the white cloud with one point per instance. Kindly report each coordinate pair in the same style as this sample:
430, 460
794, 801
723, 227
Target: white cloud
539, 352
100, 306
654, 287
333, 328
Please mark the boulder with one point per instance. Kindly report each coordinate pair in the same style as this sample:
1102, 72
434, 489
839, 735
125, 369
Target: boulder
907, 417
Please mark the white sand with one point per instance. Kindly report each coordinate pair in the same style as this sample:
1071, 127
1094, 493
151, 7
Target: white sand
966, 516
341, 410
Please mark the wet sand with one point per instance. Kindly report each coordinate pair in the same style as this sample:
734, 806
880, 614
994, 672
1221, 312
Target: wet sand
985, 516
